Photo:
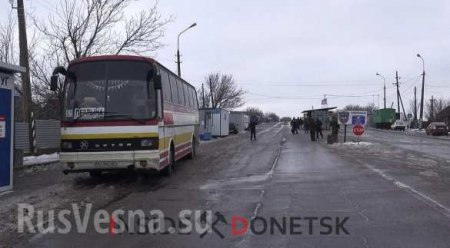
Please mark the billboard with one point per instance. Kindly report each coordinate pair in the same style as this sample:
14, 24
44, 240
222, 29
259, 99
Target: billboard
352, 117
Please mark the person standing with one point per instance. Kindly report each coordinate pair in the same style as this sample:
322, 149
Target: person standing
312, 129
319, 128
334, 124
306, 125
252, 126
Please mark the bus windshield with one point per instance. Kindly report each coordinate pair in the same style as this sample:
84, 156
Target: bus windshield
109, 90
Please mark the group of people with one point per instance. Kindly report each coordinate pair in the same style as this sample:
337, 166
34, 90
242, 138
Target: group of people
311, 126
296, 124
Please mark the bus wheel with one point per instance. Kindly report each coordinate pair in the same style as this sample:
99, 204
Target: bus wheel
193, 152
95, 174
167, 171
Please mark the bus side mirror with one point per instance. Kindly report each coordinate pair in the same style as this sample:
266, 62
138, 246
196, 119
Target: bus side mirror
157, 82
60, 70
54, 83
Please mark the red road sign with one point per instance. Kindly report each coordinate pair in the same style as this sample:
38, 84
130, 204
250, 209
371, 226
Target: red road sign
358, 130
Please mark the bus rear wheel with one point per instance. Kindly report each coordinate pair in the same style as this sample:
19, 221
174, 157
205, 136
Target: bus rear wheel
168, 170
193, 151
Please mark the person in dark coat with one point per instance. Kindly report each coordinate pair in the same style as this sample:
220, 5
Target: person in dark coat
306, 125
252, 127
312, 129
293, 125
334, 124
319, 128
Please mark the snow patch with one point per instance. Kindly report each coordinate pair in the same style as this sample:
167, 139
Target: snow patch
42, 159
429, 173
362, 144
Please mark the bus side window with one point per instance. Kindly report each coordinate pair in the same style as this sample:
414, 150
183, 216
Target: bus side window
166, 86
190, 96
180, 92
194, 95
187, 95
173, 89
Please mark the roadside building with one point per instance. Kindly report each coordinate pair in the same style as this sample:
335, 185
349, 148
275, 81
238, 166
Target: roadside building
323, 114
215, 121
241, 119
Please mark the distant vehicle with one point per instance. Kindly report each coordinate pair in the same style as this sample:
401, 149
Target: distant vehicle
125, 112
399, 125
233, 128
384, 118
437, 128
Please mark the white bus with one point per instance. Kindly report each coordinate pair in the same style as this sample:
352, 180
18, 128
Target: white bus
125, 112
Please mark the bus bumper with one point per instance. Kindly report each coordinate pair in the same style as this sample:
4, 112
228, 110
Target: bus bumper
114, 160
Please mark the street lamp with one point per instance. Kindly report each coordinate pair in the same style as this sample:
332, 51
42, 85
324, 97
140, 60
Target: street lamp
178, 47
423, 89
384, 80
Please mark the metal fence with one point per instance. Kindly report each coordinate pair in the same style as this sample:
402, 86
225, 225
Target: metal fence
47, 135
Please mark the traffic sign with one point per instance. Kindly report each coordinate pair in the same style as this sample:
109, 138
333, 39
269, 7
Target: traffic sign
358, 130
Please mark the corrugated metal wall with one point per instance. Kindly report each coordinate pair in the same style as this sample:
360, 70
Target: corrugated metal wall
47, 135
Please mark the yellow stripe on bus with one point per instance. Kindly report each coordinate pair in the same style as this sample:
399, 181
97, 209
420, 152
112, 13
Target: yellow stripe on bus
108, 136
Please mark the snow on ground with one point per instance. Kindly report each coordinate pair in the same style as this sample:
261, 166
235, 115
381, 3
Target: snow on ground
362, 143
42, 159
355, 143
416, 130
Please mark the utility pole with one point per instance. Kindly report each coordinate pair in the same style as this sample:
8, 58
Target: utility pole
178, 48
211, 93
423, 90
415, 103
398, 92
25, 77
384, 88
432, 109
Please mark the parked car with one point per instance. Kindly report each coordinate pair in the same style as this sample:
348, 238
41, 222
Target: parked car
399, 125
437, 128
233, 128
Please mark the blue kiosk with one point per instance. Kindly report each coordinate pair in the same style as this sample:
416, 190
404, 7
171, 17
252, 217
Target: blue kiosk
7, 72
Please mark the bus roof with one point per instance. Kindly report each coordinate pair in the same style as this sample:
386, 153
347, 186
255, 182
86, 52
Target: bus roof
111, 57
123, 58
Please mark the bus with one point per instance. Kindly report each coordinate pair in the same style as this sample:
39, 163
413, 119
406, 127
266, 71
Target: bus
124, 112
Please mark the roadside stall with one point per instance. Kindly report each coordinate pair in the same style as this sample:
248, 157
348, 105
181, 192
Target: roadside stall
7, 72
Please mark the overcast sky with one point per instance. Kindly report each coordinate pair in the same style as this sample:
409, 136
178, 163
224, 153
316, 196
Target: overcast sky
288, 54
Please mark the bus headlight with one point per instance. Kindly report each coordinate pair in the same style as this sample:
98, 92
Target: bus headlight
66, 145
146, 142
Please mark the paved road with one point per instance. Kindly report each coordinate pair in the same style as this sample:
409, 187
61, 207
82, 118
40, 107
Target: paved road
280, 176
419, 142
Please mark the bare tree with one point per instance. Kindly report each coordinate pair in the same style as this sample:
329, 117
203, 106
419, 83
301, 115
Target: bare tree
255, 113
370, 107
222, 91
269, 116
85, 28
89, 27
7, 37
439, 104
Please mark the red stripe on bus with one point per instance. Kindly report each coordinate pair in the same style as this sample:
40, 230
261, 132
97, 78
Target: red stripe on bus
182, 146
